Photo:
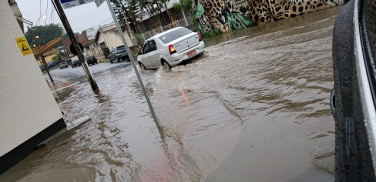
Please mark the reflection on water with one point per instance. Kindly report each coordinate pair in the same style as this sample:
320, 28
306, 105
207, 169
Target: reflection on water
254, 108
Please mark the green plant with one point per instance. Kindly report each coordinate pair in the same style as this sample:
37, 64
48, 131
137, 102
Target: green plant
139, 39
59, 56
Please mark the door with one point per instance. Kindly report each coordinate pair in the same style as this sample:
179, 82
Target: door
153, 54
144, 57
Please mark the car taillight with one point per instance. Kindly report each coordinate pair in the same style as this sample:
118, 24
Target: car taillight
199, 37
117, 52
171, 49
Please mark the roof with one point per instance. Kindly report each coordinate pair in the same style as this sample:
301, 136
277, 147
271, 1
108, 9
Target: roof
87, 42
110, 27
40, 50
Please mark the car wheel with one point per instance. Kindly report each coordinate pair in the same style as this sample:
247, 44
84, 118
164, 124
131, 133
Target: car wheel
111, 61
142, 66
166, 66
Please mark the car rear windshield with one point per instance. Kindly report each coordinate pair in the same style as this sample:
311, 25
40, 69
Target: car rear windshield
170, 36
89, 57
120, 48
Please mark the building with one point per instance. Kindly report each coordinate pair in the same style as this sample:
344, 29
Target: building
150, 25
28, 111
91, 33
81, 38
108, 37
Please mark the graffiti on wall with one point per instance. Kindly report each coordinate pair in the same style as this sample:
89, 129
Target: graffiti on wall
221, 16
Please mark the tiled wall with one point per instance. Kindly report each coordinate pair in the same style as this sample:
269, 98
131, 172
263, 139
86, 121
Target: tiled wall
26, 103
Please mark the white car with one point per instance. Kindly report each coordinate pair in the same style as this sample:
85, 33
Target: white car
170, 48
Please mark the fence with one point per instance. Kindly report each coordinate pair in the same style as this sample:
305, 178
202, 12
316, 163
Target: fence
177, 23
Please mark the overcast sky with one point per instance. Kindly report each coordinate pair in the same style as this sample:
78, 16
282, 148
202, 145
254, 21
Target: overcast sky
80, 17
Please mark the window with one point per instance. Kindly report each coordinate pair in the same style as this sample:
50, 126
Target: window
120, 48
145, 49
153, 45
170, 36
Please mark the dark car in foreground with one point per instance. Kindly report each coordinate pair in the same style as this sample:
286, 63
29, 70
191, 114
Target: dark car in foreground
118, 54
91, 60
76, 63
353, 96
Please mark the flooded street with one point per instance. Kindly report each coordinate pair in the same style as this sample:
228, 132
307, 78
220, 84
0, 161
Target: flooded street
255, 107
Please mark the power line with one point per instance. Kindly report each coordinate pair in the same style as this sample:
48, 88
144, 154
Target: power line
51, 15
45, 21
88, 14
40, 8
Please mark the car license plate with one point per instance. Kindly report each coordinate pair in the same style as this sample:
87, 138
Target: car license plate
189, 54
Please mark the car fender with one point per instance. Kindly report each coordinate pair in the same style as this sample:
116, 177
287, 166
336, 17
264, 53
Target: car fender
163, 57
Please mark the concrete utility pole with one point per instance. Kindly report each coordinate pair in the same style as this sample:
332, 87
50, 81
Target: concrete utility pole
134, 67
46, 66
64, 20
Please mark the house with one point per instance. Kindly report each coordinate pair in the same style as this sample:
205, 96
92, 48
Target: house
108, 37
81, 38
29, 113
162, 22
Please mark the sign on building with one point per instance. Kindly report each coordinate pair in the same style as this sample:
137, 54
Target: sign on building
23, 46
73, 3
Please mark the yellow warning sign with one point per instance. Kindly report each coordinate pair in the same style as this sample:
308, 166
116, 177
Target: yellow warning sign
24, 46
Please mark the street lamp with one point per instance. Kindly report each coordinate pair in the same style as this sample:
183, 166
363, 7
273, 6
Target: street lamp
43, 16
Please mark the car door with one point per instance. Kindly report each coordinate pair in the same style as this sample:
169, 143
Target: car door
145, 55
153, 54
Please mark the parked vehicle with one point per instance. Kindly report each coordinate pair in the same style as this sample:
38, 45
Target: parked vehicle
353, 97
69, 61
76, 63
118, 54
91, 60
170, 48
63, 64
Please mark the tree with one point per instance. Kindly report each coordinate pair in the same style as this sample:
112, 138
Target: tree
83, 32
40, 35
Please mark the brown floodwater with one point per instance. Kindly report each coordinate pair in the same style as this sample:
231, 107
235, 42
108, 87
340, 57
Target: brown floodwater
255, 107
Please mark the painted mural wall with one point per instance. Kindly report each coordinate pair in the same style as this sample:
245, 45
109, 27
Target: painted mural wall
219, 16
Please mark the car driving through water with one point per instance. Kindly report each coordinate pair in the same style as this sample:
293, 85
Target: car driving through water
170, 48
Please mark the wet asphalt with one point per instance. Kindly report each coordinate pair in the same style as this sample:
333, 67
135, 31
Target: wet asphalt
255, 107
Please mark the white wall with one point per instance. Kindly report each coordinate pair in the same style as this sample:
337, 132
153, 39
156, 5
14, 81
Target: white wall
90, 33
26, 103
113, 39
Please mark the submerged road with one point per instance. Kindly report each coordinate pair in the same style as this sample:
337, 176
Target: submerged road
254, 108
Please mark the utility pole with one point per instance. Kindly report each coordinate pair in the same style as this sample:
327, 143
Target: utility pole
68, 28
46, 66
134, 67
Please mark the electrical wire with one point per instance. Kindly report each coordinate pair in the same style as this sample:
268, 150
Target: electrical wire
88, 14
52, 10
45, 21
40, 8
